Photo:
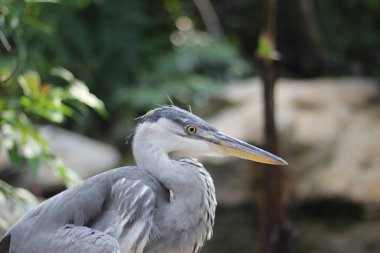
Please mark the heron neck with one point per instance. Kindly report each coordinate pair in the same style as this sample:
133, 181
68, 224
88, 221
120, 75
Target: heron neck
151, 153
156, 160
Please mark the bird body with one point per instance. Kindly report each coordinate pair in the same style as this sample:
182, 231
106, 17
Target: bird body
164, 204
143, 215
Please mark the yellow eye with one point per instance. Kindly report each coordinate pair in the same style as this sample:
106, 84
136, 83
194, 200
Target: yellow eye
191, 129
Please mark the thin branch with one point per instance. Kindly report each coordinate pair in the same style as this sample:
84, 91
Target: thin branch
9, 49
14, 70
5, 42
210, 18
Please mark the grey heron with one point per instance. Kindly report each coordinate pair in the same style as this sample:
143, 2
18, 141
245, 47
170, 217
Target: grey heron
163, 204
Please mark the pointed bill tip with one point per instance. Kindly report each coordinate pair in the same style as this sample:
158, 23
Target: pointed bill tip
233, 147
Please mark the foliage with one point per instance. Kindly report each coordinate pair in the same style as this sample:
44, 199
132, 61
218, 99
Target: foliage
126, 52
346, 32
132, 54
190, 73
350, 34
24, 101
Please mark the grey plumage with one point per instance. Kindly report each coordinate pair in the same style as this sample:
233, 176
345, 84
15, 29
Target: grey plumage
161, 205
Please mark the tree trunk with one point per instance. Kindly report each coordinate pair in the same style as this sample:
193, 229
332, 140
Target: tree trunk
275, 231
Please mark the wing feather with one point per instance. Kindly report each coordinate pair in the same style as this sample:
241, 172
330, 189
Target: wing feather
72, 238
135, 203
109, 213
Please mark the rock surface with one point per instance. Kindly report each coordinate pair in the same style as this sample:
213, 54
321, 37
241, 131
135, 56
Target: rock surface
329, 131
14, 202
87, 157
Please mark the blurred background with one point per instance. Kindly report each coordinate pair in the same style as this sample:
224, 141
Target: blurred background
75, 75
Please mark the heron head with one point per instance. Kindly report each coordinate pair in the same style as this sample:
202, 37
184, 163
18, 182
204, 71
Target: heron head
178, 131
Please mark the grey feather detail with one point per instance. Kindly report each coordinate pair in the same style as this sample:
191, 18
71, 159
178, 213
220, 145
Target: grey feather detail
67, 239
209, 206
72, 238
86, 210
209, 201
135, 204
175, 114
191, 161
171, 196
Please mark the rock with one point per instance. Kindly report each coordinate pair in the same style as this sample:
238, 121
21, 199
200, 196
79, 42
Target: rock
233, 180
329, 131
237, 230
14, 202
87, 157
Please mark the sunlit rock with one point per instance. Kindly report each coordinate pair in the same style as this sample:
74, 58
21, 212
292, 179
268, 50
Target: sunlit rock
329, 131
86, 156
14, 202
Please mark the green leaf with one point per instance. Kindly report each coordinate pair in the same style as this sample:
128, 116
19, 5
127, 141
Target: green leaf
26, 102
31, 147
265, 47
34, 164
54, 116
30, 83
77, 4
39, 25
42, 1
80, 92
66, 110
68, 175
63, 73
14, 155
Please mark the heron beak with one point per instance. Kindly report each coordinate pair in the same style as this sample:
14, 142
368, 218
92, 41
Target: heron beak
229, 146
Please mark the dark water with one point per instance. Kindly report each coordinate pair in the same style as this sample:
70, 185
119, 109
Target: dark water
339, 230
